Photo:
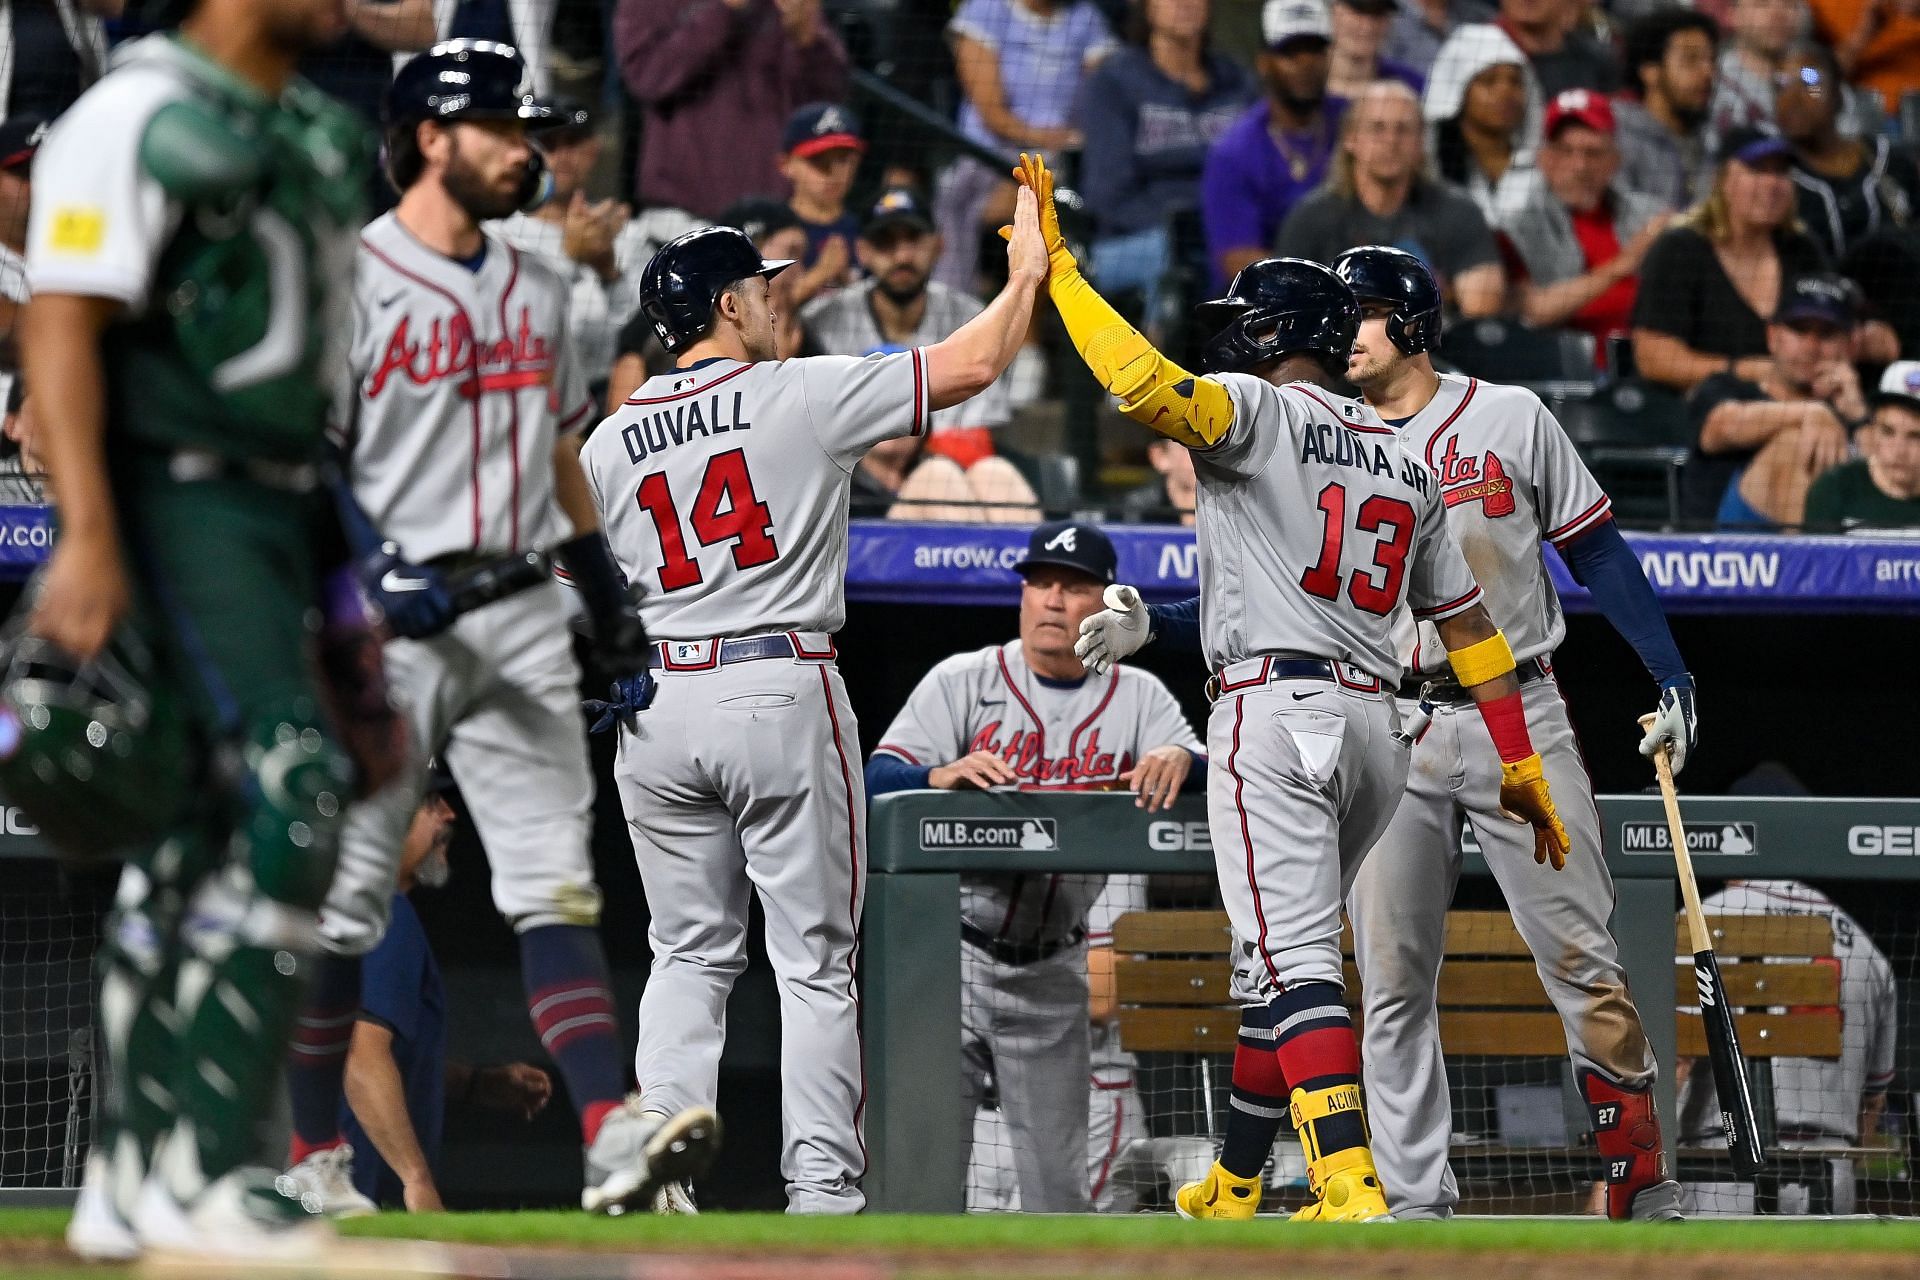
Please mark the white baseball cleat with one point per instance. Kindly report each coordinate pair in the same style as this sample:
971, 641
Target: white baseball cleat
637, 1151
675, 1198
323, 1182
97, 1232
244, 1215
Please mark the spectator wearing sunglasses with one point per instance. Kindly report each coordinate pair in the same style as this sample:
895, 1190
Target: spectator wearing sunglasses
1848, 189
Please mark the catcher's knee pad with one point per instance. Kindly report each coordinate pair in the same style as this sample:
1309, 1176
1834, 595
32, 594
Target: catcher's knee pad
298, 781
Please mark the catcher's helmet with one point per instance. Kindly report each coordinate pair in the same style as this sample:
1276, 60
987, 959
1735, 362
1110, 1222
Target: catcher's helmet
687, 276
86, 750
460, 80
1377, 273
1276, 307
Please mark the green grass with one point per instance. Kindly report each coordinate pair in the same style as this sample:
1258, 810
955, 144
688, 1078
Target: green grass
1022, 1234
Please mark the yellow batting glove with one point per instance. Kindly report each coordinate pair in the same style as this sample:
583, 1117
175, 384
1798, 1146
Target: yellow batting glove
1032, 173
1524, 795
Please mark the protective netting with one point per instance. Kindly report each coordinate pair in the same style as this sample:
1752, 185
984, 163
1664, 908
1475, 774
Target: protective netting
48, 935
1823, 993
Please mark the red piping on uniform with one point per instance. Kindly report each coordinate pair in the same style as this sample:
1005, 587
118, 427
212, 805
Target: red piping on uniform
919, 392
1246, 836
513, 408
853, 913
573, 419
694, 391
1113, 1148
1473, 384
1000, 655
1073, 743
473, 402
1013, 904
1458, 602
1342, 419
902, 752
1555, 536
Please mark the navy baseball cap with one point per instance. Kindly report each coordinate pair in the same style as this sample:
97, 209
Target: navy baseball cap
822, 126
759, 217
1071, 545
1751, 147
570, 117
899, 207
1820, 297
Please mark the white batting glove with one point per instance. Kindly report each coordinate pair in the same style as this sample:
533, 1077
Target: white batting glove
1114, 633
1676, 726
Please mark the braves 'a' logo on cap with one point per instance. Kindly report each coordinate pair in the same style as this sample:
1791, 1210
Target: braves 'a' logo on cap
832, 120
1063, 540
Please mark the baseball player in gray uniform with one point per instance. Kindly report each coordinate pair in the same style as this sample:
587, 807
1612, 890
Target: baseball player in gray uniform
1509, 479
1315, 528
461, 456
1816, 1101
724, 487
1026, 714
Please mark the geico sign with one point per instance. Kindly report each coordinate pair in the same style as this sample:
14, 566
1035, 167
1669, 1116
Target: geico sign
1891, 842
1171, 837
14, 823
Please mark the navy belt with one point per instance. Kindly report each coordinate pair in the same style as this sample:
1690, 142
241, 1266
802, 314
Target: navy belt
1279, 669
707, 655
1438, 689
1019, 952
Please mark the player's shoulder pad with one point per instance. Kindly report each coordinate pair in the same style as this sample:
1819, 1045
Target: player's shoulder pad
196, 154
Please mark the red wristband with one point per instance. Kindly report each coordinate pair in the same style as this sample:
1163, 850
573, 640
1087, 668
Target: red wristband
1506, 719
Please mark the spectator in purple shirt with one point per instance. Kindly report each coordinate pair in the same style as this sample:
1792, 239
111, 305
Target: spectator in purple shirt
716, 81
1149, 113
1277, 152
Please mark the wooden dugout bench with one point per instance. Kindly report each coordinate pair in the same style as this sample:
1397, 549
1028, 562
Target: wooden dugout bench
1172, 972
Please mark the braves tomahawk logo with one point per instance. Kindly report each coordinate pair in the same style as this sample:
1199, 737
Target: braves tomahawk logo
1470, 479
450, 351
1063, 540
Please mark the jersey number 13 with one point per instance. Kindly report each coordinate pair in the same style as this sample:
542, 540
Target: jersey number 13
1393, 520
725, 509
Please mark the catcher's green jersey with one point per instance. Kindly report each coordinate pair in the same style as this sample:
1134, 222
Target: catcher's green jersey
226, 223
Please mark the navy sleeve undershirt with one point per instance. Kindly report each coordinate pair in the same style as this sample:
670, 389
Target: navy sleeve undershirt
1602, 562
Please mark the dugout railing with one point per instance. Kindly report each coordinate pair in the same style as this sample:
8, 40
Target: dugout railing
920, 843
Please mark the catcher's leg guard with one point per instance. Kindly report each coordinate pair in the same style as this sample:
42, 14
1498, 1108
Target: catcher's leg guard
1345, 1186
251, 932
1626, 1129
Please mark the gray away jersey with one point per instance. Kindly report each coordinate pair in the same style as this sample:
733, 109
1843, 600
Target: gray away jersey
461, 382
723, 488
1815, 1095
1510, 480
1077, 738
1314, 528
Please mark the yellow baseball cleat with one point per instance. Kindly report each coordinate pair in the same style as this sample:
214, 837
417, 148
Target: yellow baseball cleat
1219, 1195
1346, 1189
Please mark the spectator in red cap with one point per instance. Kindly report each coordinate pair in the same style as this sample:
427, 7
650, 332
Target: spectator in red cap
1580, 239
819, 155
716, 81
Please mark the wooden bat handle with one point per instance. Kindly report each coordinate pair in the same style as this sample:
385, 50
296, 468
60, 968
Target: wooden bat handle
1677, 832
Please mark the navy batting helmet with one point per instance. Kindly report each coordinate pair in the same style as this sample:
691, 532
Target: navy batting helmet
459, 80
687, 276
1276, 307
1377, 273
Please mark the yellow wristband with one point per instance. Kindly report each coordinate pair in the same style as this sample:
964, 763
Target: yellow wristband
1482, 661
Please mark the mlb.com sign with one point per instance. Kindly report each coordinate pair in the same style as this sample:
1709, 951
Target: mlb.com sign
1724, 839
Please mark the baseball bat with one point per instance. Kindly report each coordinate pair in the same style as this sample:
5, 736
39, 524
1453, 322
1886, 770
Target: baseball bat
1737, 1118
498, 579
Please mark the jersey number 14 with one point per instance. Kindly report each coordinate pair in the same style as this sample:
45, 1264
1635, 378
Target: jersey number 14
725, 509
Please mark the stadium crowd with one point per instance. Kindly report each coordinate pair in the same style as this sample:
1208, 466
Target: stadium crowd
1543, 159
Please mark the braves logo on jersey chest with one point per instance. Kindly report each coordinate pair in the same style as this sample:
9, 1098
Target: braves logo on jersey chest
449, 349
1470, 478
1024, 750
